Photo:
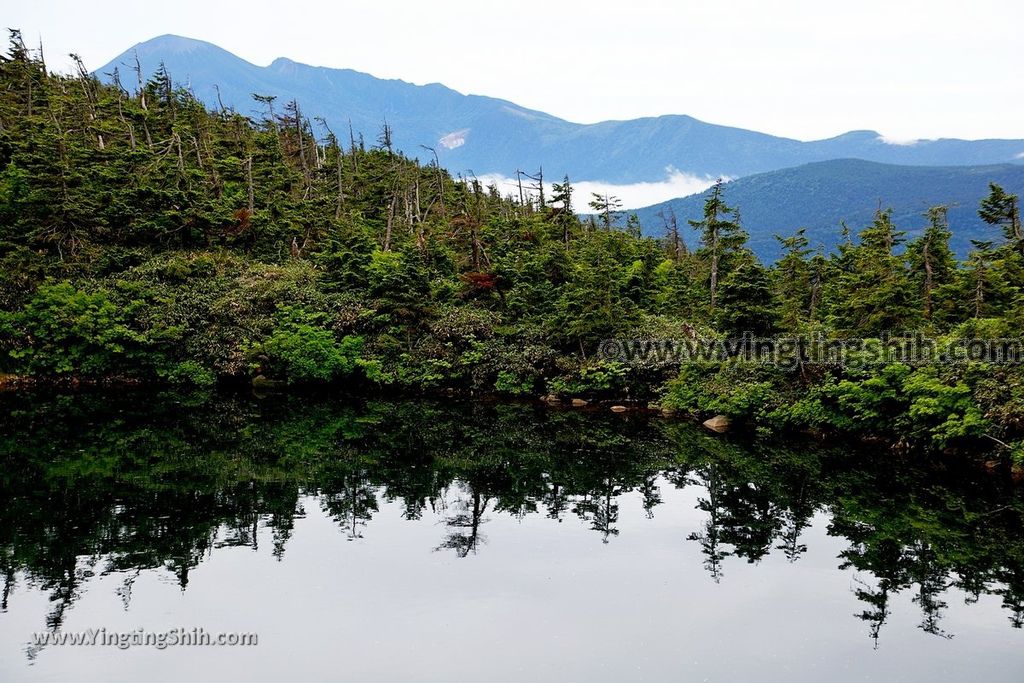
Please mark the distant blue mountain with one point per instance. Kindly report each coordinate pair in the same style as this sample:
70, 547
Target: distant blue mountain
487, 135
818, 196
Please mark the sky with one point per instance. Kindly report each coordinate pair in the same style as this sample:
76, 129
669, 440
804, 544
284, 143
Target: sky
806, 69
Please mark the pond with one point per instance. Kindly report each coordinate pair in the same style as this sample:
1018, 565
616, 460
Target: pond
422, 541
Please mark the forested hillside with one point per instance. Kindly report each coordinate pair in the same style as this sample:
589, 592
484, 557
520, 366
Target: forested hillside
146, 238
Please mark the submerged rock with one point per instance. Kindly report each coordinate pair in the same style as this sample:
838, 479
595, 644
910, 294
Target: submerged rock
579, 402
619, 409
718, 423
262, 382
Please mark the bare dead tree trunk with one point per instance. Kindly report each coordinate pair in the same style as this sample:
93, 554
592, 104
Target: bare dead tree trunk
304, 163
714, 269
815, 295
979, 292
141, 86
249, 186
124, 122
352, 148
390, 223
220, 103
419, 214
340, 204
85, 80
927, 257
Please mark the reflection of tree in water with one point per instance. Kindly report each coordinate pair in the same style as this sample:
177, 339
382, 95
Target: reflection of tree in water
464, 522
651, 494
932, 580
350, 501
709, 537
555, 500
601, 509
927, 537
742, 519
9, 579
897, 569
751, 522
877, 600
795, 520
95, 489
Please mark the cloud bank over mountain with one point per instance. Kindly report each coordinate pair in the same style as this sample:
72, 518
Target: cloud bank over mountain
633, 195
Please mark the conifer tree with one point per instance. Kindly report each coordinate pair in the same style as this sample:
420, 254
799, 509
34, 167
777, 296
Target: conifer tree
607, 207
1002, 209
932, 263
792, 275
720, 237
874, 292
746, 302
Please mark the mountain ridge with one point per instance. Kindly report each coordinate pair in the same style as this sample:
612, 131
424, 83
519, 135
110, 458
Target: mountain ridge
820, 195
497, 136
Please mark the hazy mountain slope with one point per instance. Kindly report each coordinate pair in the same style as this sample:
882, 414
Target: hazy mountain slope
488, 135
820, 195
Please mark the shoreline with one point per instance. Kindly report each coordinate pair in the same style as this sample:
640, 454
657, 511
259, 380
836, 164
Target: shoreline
715, 425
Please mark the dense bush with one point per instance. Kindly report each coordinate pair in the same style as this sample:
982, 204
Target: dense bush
301, 350
63, 330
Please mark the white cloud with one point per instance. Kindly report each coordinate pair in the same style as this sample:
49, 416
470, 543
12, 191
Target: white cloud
455, 139
901, 142
633, 195
1019, 156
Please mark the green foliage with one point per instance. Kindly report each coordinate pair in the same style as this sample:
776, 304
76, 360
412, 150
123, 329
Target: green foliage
793, 281
1000, 208
940, 410
872, 292
510, 383
591, 378
63, 330
932, 266
188, 372
918, 406
748, 392
746, 303
301, 351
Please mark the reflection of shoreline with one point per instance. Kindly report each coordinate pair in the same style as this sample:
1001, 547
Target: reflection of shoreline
156, 486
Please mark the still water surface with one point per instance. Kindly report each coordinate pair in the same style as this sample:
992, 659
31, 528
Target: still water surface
412, 541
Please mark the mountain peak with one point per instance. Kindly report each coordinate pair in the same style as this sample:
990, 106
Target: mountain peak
168, 47
864, 134
174, 44
283, 65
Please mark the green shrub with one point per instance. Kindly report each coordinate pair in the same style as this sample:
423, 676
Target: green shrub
299, 350
597, 377
748, 392
63, 330
511, 383
188, 372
